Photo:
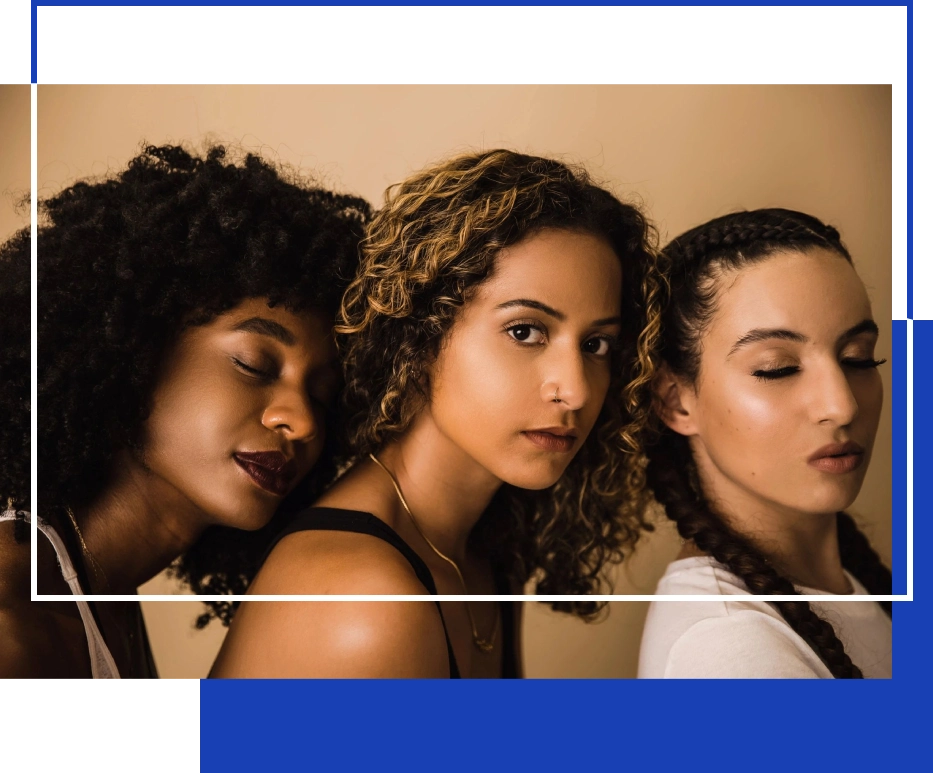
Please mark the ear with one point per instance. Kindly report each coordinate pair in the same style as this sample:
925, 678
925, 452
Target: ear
674, 402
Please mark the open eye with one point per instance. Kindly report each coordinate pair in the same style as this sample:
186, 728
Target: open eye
600, 346
526, 333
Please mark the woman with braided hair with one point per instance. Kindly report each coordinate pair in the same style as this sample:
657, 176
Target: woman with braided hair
769, 399
495, 364
186, 378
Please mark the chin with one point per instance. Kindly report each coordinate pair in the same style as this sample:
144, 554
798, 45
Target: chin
831, 503
534, 477
246, 519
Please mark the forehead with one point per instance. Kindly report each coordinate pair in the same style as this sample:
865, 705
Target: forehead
816, 292
558, 267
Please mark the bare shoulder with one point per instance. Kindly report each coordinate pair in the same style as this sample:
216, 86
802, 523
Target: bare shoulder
336, 563
341, 639
335, 639
35, 640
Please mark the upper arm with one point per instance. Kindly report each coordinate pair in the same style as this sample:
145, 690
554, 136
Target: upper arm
743, 645
17, 657
340, 639
17, 633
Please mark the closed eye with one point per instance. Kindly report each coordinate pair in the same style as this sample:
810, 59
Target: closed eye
776, 373
249, 370
860, 364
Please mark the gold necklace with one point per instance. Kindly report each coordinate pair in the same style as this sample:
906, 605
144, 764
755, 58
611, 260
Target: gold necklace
483, 645
98, 569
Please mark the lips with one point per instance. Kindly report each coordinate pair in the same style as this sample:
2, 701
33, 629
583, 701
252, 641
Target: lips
556, 439
272, 471
838, 457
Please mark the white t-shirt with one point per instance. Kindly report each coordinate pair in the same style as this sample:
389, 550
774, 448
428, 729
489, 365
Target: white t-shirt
748, 638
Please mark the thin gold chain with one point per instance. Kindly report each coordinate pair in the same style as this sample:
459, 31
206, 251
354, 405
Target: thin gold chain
483, 645
98, 569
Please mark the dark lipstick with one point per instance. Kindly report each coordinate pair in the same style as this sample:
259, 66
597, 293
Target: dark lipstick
272, 471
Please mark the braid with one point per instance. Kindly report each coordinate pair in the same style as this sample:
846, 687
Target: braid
860, 558
771, 228
671, 474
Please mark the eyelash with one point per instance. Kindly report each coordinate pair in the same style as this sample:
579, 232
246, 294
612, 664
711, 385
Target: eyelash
251, 371
778, 373
267, 376
611, 341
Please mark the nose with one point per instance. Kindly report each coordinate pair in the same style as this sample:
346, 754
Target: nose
834, 400
291, 412
566, 381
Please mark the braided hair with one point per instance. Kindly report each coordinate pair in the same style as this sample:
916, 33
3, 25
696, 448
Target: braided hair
693, 262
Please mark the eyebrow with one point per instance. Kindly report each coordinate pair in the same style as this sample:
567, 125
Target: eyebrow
267, 327
549, 310
764, 334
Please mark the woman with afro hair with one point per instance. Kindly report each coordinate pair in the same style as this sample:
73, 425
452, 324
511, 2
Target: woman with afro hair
186, 376
496, 345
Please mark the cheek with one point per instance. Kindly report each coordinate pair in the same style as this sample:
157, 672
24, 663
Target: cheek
748, 422
869, 394
479, 382
193, 418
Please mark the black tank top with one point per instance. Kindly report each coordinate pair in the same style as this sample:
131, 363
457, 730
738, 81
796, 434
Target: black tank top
335, 519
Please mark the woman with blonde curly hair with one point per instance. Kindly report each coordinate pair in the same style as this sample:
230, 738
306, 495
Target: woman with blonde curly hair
496, 342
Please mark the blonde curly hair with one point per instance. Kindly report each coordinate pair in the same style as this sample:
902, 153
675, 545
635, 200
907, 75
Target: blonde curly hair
423, 257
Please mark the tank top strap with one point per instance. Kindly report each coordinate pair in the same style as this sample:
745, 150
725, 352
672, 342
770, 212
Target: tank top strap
359, 522
102, 662
507, 610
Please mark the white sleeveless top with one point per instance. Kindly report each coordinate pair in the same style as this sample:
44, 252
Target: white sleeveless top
102, 663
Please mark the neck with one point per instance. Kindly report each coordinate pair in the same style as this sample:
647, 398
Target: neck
135, 529
446, 489
802, 546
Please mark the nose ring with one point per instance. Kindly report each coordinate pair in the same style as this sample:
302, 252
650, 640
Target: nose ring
556, 398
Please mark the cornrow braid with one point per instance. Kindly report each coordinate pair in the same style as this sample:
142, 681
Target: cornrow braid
693, 262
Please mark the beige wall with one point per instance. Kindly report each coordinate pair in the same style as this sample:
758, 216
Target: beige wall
14, 158
689, 153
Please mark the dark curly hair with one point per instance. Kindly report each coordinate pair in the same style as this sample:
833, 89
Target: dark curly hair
693, 262
424, 256
126, 263
14, 369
